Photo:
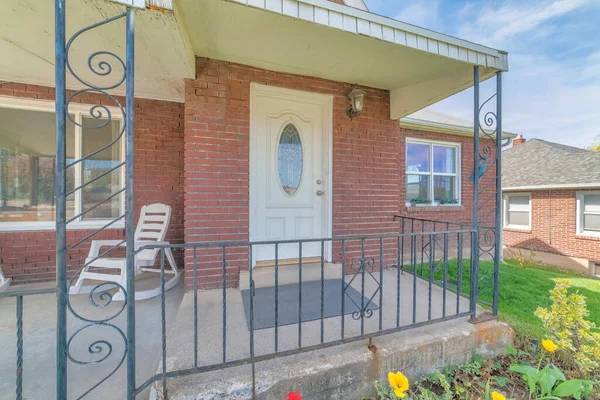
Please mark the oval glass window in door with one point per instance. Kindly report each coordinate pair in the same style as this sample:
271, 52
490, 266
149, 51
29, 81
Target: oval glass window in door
289, 159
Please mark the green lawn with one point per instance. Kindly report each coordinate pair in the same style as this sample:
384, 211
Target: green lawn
523, 290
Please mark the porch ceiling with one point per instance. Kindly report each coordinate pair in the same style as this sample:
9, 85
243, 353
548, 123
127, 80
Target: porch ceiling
323, 39
27, 45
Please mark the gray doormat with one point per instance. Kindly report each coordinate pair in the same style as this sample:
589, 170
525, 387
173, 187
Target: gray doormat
264, 303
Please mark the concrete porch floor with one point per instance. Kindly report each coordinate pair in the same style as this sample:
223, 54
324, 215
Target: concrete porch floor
180, 344
39, 328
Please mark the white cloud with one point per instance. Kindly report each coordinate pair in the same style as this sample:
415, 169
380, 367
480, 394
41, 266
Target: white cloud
421, 13
552, 90
512, 19
540, 100
546, 94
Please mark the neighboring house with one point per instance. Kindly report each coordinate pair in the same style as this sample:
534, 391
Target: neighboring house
552, 203
216, 84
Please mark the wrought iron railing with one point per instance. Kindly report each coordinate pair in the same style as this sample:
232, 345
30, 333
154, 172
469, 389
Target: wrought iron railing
20, 295
111, 71
428, 247
379, 268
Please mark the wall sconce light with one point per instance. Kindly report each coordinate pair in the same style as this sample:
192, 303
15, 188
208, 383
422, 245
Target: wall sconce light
357, 98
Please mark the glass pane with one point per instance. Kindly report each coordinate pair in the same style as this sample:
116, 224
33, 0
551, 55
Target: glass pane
591, 203
93, 139
27, 156
444, 188
289, 160
417, 157
519, 218
444, 159
417, 186
591, 222
518, 203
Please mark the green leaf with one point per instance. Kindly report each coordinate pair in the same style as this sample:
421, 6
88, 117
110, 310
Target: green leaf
529, 375
511, 350
524, 369
557, 373
546, 381
477, 358
569, 388
501, 380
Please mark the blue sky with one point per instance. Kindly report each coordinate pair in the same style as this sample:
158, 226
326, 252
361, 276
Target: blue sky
552, 90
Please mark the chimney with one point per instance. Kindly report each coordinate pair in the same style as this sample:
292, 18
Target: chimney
518, 140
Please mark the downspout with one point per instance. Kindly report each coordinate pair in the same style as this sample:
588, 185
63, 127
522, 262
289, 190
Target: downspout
549, 218
504, 145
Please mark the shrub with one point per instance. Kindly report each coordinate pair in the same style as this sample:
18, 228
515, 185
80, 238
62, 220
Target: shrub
566, 324
524, 260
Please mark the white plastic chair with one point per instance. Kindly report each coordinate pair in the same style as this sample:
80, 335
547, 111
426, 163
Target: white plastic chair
4, 281
151, 229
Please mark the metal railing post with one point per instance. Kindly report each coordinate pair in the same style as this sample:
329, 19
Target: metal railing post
498, 235
129, 200
476, 163
61, 207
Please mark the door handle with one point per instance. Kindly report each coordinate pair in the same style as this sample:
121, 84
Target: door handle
320, 193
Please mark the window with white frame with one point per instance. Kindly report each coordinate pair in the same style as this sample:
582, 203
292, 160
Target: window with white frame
432, 172
27, 162
588, 213
517, 211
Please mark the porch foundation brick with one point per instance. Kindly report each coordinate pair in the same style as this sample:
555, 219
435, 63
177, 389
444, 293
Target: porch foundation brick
348, 371
554, 231
369, 158
29, 256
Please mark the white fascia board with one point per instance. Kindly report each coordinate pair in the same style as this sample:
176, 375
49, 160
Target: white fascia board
419, 124
132, 3
556, 186
365, 23
161, 4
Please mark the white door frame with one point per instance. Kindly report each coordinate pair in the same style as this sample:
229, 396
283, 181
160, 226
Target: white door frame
258, 90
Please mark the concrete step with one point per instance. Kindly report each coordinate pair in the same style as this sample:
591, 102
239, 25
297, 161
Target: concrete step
288, 274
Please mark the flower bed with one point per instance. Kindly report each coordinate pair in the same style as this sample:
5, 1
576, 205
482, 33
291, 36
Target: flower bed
566, 365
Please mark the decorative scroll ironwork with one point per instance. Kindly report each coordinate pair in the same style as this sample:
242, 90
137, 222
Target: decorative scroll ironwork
364, 266
101, 64
490, 144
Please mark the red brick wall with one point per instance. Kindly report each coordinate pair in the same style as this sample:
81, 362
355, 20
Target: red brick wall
30, 256
368, 163
554, 228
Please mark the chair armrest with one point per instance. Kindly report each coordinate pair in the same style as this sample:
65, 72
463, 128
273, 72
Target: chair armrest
97, 245
140, 244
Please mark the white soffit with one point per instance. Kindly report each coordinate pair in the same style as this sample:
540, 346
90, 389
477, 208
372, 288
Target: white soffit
327, 40
362, 22
162, 59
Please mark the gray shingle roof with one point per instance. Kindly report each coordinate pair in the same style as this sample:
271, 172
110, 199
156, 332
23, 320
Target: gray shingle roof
540, 163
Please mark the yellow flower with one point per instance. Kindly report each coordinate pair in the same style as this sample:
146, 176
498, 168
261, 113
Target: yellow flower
498, 396
549, 345
399, 383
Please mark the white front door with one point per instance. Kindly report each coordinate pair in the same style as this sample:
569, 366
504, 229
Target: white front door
290, 191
